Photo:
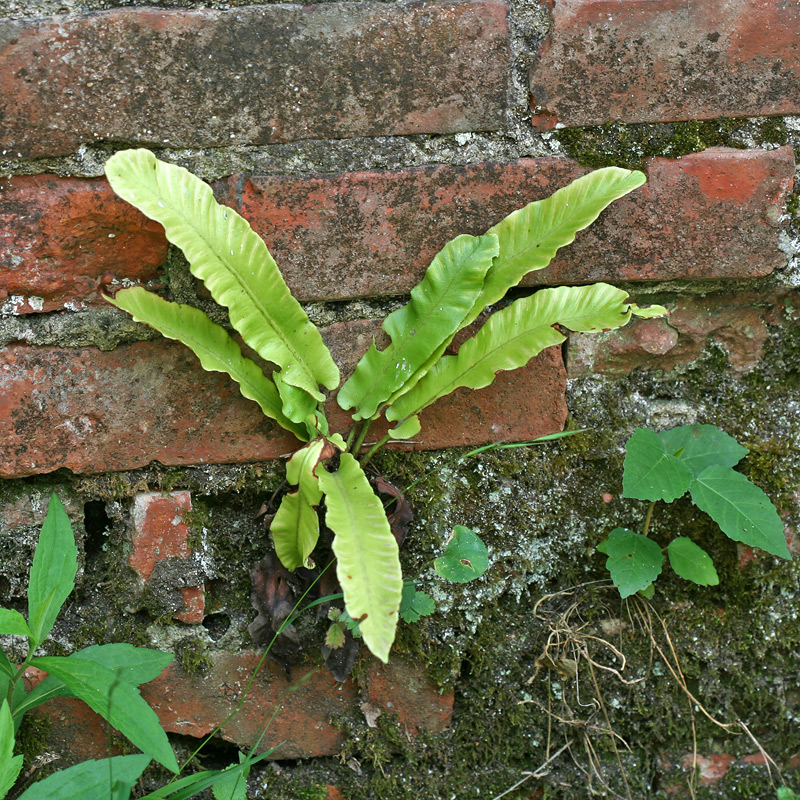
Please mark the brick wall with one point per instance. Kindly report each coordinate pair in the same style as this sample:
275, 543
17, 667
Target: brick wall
357, 139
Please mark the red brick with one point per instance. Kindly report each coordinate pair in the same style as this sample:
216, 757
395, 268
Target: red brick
302, 724
706, 216
735, 322
161, 532
403, 689
645, 61
59, 236
249, 76
711, 768
94, 411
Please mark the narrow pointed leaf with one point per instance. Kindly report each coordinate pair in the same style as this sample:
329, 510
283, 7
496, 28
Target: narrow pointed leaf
691, 562
233, 262
134, 665
513, 336
531, 236
634, 561
52, 578
703, 446
211, 343
742, 511
295, 527
368, 564
10, 765
13, 623
116, 701
650, 472
421, 329
90, 780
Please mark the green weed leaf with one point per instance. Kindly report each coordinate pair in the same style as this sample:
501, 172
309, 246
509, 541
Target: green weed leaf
210, 342
702, 446
691, 562
90, 780
650, 472
406, 430
52, 578
368, 564
134, 665
116, 701
742, 511
415, 604
232, 785
634, 561
295, 527
513, 336
335, 637
465, 556
421, 329
13, 623
233, 262
531, 236
10, 765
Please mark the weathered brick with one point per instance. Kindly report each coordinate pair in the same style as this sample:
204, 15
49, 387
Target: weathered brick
161, 533
709, 215
257, 75
645, 61
60, 236
94, 411
303, 727
737, 323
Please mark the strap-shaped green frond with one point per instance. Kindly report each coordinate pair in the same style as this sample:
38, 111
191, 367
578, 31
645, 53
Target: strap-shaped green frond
368, 563
513, 336
233, 262
531, 236
211, 343
295, 527
422, 329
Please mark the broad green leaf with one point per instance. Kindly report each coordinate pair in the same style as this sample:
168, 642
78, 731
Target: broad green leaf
407, 430
299, 406
415, 604
648, 591
52, 578
650, 472
13, 623
742, 511
465, 556
513, 336
89, 780
421, 329
691, 562
702, 446
116, 701
10, 765
530, 236
48, 689
634, 561
368, 564
233, 262
295, 527
211, 343
134, 665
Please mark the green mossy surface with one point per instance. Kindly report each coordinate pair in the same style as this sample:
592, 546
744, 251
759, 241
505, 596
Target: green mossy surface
618, 144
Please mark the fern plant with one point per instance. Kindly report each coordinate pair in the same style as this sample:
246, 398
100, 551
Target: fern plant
469, 274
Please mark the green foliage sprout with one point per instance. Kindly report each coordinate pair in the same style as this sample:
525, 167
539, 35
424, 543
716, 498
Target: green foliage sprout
469, 274
697, 459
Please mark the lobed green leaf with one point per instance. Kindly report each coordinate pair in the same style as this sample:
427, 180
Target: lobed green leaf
233, 262
650, 472
368, 563
691, 562
52, 577
742, 511
116, 701
415, 604
422, 329
701, 446
212, 344
513, 336
531, 236
634, 561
